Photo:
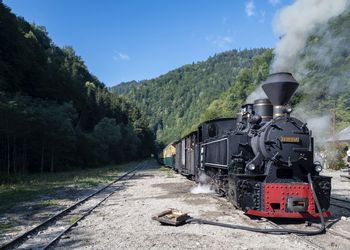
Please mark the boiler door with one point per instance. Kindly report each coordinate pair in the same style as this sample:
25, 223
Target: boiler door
285, 139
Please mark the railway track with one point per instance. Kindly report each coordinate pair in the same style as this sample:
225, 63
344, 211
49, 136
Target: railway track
340, 200
347, 207
322, 241
46, 234
337, 200
296, 236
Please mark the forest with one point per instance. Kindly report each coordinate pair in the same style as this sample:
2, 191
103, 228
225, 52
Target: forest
174, 102
54, 114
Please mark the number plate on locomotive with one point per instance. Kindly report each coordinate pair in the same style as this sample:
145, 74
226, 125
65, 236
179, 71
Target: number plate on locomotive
290, 139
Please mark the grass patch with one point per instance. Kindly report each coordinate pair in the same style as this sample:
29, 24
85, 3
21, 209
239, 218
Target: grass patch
169, 172
164, 169
73, 219
5, 226
52, 202
28, 187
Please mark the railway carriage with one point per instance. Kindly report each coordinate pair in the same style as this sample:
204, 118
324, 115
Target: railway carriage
186, 155
213, 145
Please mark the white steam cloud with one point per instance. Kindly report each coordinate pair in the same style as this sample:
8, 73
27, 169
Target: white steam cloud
295, 23
258, 93
320, 125
203, 186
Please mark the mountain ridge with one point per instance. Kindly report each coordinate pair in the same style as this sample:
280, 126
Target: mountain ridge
174, 101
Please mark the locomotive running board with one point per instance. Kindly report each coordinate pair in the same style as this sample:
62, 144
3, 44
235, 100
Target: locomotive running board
172, 217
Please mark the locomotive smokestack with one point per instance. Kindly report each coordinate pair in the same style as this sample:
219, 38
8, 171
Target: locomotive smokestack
279, 87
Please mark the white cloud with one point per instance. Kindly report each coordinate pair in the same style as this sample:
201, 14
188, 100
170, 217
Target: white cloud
250, 8
221, 42
120, 56
274, 2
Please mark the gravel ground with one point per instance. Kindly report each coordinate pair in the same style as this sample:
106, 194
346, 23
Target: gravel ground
124, 220
340, 185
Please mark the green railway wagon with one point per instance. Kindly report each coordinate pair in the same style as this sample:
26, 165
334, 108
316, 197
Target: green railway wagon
169, 161
169, 155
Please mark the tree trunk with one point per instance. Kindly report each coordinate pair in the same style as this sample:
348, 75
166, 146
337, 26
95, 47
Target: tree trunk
8, 155
42, 157
14, 155
24, 155
2, 156
52, 158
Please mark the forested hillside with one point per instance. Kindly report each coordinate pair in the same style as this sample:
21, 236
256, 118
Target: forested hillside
175, 101
54, 114
178, 101
229, 102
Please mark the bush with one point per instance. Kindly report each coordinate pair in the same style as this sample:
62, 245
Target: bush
335, 157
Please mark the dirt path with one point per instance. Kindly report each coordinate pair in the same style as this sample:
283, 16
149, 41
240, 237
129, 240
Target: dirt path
124, 220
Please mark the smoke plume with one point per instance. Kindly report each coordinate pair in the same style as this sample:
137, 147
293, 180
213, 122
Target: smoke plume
294, 25
328, 46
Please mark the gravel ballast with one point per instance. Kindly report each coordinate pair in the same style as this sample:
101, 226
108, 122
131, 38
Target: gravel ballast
124, 220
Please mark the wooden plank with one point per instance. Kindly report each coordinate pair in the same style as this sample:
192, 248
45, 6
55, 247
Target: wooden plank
171, 217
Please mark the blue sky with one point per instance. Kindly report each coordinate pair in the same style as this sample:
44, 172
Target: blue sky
142, 39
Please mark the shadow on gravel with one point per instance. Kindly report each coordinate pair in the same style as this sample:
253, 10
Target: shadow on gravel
70, 243
344, 210
142, 176
36, 217
153, 166
29, 213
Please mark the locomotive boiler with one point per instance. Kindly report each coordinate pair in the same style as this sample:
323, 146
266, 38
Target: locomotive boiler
262, 160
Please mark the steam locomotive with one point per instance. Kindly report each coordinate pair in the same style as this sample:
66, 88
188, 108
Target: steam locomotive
262, 160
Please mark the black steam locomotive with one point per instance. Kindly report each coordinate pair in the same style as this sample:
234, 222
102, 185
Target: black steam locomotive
262, 160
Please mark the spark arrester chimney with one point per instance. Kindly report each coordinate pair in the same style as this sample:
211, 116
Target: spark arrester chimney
279, 88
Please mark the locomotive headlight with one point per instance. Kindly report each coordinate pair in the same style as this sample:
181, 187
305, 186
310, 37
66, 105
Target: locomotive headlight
287, 110
318, 167
251, 167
